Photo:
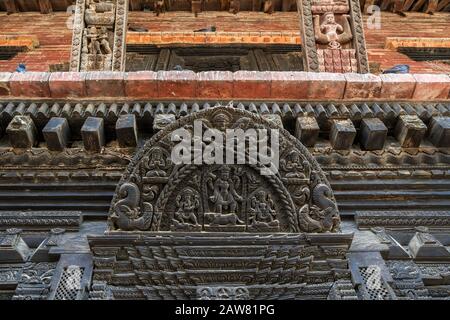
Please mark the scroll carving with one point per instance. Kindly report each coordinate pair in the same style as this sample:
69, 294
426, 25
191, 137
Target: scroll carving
98, 42
156, 194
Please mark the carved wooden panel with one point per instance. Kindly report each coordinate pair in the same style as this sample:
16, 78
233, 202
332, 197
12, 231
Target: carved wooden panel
99, 32
332, 36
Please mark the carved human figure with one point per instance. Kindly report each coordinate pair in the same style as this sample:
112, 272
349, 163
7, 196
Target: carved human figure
103, 39
126, 212
330, 32
262, 209
294, 166
98, 40
188, 203
157, 163
225, 196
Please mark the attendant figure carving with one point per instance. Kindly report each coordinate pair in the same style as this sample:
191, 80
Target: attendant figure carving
188, 204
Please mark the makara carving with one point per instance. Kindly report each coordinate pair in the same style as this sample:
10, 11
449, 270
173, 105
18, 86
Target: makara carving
99, 31
155, 194
332, 36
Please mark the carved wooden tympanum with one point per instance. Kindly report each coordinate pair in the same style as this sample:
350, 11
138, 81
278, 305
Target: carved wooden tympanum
157, 195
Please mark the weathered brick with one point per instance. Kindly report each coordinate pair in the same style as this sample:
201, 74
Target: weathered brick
431, 86
105, 84
30, 84
177, 84
5, 89
289, 85
142, 84
215, 85
361, 86
251, 85
397, 86
67, 84
326, 85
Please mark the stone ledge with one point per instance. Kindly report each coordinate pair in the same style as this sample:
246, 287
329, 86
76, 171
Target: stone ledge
226, 85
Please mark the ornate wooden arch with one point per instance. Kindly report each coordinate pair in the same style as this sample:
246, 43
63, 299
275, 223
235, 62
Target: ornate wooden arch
155, 194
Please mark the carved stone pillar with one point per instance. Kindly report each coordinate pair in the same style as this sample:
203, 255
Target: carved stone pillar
332, 36
99, 32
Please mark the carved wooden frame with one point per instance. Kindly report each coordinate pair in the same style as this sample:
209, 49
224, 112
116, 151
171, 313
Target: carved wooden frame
309, 47
120, 31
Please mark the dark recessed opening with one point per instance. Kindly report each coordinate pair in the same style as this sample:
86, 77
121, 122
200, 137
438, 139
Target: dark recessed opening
215, 58
9, 52
426, 54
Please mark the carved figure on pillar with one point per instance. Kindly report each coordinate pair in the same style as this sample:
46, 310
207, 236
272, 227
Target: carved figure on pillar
330, 32
98, 42
332, 36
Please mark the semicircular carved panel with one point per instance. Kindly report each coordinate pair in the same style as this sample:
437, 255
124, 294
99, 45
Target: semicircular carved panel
155, 194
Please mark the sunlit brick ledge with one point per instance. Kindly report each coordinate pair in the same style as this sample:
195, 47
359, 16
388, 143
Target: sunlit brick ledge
225, 85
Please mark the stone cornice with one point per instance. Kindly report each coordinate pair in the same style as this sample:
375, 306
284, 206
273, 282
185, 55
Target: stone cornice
224, 85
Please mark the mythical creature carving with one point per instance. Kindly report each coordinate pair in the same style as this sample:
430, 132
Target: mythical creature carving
127, 213
156, 194
322, 214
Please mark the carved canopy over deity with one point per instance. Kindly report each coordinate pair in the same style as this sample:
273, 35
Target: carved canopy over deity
336, 6
157, 194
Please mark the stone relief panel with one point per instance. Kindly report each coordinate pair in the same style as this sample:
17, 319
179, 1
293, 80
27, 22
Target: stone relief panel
155, 194
332, 36
98, 42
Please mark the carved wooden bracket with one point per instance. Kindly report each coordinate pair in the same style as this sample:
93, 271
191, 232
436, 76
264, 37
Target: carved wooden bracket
332, 36
99, 32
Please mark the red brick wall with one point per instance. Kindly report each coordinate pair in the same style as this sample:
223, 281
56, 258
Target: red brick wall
55, 38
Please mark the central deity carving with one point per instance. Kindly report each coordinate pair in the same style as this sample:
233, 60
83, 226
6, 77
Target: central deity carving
330, 32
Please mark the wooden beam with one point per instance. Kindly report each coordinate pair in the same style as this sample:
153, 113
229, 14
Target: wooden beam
419, 4
11, 6
135, 5
432, 6
408, 4
398, 7
45, 6
385, 4
441, 6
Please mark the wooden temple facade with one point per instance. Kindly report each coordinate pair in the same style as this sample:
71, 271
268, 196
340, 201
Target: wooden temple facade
93, 206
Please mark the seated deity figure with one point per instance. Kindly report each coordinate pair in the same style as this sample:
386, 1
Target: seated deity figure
262, 209
188, 203
157, 163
